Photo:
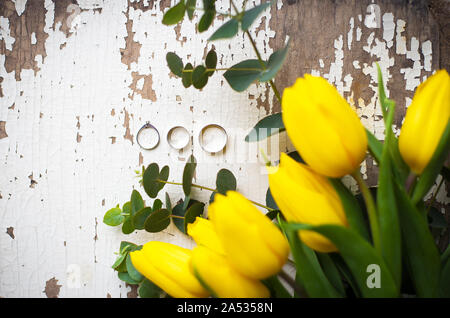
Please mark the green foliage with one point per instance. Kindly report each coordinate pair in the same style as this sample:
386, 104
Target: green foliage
250, 16
225, 181
266, 127
113, 217
175, 64
157, 221
174, 14
186, 78
188, 174
226, 31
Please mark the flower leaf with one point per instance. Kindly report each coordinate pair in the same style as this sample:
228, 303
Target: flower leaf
241, 75
174, 14
175, 64
226, 31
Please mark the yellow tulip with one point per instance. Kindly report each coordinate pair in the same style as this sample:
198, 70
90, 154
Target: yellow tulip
223, 279
323, 127
203, 233
167, 266
425, 121
252, 243
304, 196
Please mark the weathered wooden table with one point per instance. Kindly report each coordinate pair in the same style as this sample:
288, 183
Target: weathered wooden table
78, 80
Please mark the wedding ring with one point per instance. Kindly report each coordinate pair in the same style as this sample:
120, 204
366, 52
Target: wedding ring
178, 137
213, 138
147, 137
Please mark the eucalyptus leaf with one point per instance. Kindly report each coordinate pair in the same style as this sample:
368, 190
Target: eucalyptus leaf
113, 217
136, 202
241, 75
157, 205
250, 16
225, 181
168, 203
206, 20
124, 276
157, 221
190, 8
266, 127
175, 64
119, 261
199, 77
147, 289
151, 185
174, 14
163, 176
134, 274
274, 64
188, 174
270, 202
226, 31
128, 225
211, 62
140, 217
179, 211
192, 212
186, 78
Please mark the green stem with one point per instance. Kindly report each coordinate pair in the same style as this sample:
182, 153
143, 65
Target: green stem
226, 69
371, 209
258, 55
410, 183
213, 190
176, 216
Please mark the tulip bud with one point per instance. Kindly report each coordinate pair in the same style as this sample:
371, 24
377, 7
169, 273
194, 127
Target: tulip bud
304, 196
323, 127
252, 243
221, 278
203, 233
425, 121
167, 266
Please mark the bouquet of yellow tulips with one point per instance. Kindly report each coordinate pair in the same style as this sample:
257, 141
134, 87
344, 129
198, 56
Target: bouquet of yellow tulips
339, 247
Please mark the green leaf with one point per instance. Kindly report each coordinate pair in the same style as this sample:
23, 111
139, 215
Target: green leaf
186, 78
157, 205
188, 174
147, 289
174, 14
375, 146
206, 20
274, 64
126, 247
390, 234
134, 274
353, 212
225, 181
422, 254
119, 261
168, 203
250, 15
241, 75
126, 208
199, 77
276, 288
211, 62
140, 217
124, 276
268, 126
309, 272
113, 217
381, 93
358, 254
226, 31
152, 179
331, 272
151, 185
128, 225
445, 281
272, 215
431, 171
192, 212
157, 221
178, 211
175, 64
270, 202
136, 202
190, 8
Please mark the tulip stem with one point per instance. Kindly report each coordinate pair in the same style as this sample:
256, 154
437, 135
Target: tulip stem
371, 209
291, 282
214, 190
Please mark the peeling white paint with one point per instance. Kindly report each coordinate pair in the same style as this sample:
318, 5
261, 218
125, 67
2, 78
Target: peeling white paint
388, 29
20, 6
5, 33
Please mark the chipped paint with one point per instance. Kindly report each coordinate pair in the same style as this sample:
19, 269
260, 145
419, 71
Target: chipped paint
61, 169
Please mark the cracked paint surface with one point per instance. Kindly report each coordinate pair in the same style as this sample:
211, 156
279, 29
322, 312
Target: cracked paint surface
79, 78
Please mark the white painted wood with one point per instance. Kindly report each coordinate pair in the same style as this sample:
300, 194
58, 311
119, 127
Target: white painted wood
67, 129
